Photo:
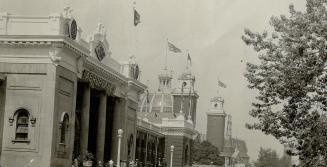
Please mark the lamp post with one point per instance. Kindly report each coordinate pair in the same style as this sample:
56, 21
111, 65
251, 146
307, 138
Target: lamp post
120, 132
171, 155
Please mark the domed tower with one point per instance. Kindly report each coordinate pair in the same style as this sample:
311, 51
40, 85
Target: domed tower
216, 122
162, 100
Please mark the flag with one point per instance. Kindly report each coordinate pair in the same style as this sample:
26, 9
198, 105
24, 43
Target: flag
189, 59
221, 84
173, 48
137, 18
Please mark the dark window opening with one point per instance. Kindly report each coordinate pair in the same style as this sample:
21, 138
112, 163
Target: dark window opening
22, 125
64, 129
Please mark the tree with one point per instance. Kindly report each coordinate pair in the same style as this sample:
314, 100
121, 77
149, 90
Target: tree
285, 161
269, 158
291, 81
206, 154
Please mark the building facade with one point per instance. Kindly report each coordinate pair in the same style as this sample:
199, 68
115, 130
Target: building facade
61, 95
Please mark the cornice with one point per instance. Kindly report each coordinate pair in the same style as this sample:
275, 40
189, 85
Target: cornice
217, 114
190, 133
178, 92
43, 40
137, 85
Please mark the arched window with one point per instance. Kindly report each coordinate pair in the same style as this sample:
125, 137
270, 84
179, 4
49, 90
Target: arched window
22, 125
64, 129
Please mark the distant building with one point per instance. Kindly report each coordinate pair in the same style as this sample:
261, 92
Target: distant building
219, 133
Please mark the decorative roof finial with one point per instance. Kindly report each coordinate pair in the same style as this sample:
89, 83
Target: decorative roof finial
68, 12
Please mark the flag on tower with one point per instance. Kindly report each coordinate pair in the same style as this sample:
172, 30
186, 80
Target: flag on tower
137, 18
173, 48
221, 84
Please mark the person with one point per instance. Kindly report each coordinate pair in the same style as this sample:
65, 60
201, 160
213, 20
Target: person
75, 162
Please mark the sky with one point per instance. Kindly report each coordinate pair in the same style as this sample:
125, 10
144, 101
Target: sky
210, 30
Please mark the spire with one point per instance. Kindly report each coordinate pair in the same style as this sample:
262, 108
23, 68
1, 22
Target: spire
188, 68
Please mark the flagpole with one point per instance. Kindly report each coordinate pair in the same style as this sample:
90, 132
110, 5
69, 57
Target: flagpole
189, 111
134, 29
166, 53
182, 101
218, 86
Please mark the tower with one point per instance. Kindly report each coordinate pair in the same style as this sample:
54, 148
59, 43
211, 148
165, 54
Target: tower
216, 122
185, 96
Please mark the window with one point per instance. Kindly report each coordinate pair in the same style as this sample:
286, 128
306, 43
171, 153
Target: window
64, 129
22, 125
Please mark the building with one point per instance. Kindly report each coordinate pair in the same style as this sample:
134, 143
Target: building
167, 117
219, 133
62, 95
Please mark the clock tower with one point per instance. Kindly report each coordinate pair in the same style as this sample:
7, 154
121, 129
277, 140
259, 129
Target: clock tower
216, 122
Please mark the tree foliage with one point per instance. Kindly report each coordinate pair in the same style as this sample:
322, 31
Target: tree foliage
291, 80
205, 153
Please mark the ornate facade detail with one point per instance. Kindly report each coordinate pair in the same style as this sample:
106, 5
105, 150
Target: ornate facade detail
2, 77
103, 70
54, 57
67, 12
98, 83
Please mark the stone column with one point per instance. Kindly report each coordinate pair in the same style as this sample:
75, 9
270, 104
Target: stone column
85, 118
101, 130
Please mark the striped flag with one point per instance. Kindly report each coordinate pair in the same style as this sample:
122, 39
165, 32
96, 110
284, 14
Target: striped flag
221, 84
173, 48
137, 18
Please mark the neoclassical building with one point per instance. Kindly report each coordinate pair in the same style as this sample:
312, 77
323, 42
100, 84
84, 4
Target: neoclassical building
62, 95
